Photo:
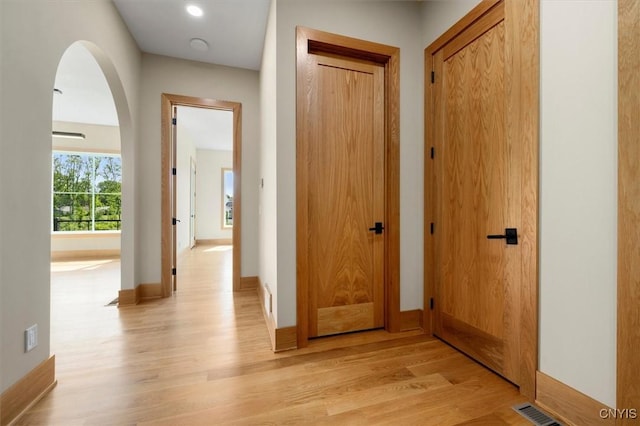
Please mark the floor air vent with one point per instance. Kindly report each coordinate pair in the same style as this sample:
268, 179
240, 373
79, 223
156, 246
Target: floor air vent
535, 416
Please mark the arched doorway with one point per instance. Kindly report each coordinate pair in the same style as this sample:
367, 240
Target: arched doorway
92, 191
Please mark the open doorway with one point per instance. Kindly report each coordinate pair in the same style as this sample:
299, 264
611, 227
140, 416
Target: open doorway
173, 229
86, 195
204, 182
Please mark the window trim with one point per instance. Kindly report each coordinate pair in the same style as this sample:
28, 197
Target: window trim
93, 232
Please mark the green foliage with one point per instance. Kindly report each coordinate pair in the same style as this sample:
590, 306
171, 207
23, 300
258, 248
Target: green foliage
86, 192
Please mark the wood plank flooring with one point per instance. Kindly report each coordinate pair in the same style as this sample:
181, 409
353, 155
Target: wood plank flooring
202, 357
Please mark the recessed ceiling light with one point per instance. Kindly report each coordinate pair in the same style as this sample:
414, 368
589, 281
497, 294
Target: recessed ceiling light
199, 44
194, 10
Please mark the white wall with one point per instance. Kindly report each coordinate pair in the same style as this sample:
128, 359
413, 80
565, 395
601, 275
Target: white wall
69, 244
395, 23
268, 167
103, 139
209, 194
99, 138
186, 150
439, 16
168, 75
578, 197
578, 187
30, 58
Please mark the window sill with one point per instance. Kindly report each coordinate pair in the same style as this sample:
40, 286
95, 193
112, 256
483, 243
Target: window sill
76, 234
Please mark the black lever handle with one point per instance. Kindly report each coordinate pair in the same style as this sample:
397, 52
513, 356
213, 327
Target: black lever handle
510, 234
378, 228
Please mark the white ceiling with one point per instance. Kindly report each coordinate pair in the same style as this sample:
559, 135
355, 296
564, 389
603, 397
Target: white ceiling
86, 97
207, 128
233, 29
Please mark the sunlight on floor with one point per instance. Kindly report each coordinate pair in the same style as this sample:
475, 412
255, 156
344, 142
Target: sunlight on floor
219, 248
78, 265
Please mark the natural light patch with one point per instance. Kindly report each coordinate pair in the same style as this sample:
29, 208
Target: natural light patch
218, 248
78, 265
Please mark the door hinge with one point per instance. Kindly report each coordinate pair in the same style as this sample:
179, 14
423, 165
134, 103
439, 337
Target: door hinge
433, 76
174, 171
431, 303
174, 271
433, 153
174, 221
432, 228
174, 121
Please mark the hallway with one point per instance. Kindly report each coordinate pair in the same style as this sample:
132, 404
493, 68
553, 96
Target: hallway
203, 357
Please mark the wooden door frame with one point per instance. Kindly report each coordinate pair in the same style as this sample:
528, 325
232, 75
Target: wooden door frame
522, 25
314, 41
628, 334
168, 101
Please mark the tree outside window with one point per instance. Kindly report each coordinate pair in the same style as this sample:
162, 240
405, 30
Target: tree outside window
87, 192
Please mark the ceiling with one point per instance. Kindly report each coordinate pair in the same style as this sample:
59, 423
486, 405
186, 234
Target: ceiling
207, 128
234, 31
85, 97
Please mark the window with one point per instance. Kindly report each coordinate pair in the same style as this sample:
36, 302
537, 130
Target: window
86, 192
227, 198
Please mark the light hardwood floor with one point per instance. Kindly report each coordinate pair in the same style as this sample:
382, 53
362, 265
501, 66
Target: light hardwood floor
203, 357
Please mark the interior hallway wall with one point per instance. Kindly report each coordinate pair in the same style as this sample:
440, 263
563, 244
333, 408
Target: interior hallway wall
578, 195
30, 56
268, 202
209, 194
161, 74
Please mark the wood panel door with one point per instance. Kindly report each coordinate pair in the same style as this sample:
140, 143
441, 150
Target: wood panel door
482, 230
347, 182
345, 195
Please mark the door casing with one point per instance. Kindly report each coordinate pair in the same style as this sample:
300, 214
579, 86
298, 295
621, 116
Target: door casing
522, 23
192, 204
168, 102
628, 333
311, 41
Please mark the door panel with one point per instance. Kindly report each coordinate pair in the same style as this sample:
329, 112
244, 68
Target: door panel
477, 279
345, 196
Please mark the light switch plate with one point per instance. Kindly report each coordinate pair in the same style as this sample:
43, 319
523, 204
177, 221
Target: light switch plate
31, 338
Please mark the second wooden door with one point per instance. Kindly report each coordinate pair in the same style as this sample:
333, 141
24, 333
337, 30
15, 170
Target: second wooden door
482, 164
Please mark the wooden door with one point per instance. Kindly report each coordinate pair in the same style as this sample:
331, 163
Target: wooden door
345, 195
481, 165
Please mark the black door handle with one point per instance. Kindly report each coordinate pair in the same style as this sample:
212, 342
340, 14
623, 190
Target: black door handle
378, 228
510, 234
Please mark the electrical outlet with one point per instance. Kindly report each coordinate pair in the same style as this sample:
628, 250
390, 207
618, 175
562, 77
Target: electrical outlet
31, 338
